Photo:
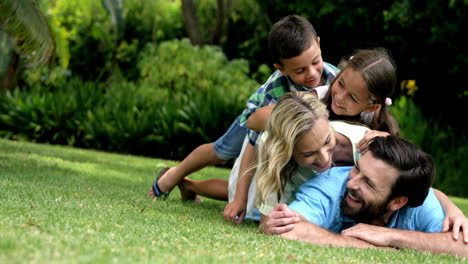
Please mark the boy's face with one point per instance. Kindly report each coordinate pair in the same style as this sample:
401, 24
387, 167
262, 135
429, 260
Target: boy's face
306, 68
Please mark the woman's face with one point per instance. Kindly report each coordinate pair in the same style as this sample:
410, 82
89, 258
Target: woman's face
315, 148
350, 95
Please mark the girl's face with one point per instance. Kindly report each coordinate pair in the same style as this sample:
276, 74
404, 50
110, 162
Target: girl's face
315, 148
350, 95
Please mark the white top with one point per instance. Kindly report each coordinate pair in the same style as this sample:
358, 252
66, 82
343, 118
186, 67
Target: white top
353, 132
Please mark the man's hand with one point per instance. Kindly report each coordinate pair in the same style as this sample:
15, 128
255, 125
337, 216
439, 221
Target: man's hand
376, 235
280, 220
235, 211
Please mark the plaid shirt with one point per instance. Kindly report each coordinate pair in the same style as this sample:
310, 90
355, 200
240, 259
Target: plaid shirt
275, 87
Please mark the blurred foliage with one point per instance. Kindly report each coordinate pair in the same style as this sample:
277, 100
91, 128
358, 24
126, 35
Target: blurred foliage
187, 95
26, 24
448, 151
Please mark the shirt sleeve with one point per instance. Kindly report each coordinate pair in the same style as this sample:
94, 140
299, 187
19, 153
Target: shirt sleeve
254, 102
312, 203
430, 215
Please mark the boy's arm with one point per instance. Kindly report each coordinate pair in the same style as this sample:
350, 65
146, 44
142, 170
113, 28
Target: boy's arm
258, 120
235, 211
454, 217
437, 243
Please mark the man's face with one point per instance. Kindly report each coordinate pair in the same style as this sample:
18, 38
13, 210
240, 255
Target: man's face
306, 68
368, 189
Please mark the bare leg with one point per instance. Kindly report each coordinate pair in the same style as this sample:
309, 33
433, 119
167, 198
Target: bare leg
213, 188
198, 159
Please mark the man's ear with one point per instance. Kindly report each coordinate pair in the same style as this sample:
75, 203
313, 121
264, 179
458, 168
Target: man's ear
397, 203
373, 108
280, 68
318, 41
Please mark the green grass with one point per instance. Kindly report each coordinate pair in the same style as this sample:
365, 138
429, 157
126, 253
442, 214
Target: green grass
67, 205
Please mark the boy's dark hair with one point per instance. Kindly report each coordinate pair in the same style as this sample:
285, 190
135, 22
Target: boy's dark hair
416, 169
289, 37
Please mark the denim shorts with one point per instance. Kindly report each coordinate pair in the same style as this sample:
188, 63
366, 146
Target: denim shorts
229, 145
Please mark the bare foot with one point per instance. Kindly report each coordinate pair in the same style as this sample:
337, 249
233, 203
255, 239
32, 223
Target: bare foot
186, 194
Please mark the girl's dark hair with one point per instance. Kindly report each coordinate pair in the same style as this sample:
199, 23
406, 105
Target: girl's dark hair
289, 37
379, 72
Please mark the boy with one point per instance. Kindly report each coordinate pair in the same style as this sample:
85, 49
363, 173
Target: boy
295, 48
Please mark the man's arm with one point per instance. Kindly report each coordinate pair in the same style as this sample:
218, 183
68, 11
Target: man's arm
308, 232
437, 243
291, 225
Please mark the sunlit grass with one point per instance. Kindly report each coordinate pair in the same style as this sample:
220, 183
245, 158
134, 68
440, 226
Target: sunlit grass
66, 205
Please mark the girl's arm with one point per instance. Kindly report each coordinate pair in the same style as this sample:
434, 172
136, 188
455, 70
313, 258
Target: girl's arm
235, 211
454, 217
258, 120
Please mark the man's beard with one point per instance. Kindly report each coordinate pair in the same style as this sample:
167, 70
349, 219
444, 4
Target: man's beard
368, 211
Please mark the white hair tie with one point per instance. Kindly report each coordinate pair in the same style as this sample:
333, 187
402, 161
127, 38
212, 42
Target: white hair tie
388, 101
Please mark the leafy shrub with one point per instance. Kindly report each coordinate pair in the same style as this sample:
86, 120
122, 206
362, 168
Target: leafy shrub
204, 91
44, 115
188, 96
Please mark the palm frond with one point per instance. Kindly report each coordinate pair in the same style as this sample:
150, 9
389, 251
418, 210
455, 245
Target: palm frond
115, 9
27, 25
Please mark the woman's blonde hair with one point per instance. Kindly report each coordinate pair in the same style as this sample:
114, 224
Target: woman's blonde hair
294, 115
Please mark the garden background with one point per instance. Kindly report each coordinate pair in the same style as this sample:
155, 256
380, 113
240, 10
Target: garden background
158, 78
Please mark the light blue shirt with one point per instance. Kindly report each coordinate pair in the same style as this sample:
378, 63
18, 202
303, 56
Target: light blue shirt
319, 201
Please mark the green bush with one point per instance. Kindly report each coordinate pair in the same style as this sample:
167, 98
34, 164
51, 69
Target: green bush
88, 44
187, 96
448, 151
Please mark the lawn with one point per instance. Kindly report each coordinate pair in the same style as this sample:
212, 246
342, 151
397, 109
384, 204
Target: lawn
68, 205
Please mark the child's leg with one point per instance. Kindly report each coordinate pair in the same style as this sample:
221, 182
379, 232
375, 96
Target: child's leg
225, 148
213, 188
198, 159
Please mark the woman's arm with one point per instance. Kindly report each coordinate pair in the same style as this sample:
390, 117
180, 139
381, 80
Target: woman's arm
235, 211
258, 120
454, 217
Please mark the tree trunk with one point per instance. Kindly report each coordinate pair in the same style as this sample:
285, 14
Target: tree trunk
10, 78
192, 26
219, 25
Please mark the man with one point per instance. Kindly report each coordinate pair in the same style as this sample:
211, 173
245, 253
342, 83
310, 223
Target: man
389, 186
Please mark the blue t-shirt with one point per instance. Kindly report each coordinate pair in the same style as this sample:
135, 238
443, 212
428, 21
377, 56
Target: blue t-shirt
319, 200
